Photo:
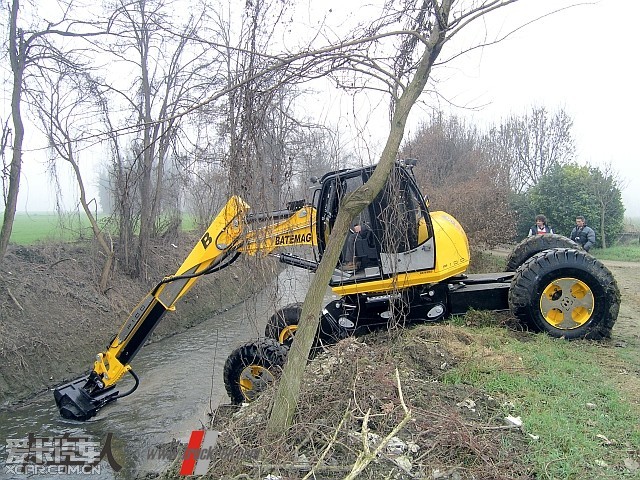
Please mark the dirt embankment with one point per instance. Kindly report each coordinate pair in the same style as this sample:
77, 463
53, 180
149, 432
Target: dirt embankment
53, 319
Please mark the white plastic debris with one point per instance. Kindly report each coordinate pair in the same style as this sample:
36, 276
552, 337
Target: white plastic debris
373, 439
605, 440
302, 462
448, 475
515, 421
468, 403
413, 447
404, 463
631, 465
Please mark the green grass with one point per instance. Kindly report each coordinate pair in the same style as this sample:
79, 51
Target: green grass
35, 227
625, 253
32, 228
566, 397
482, 262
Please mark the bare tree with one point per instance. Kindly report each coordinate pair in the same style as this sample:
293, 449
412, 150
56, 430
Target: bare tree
535, 143
258, 115
606, 184
425, 28
460, 175
316, 151
444, 146
30, 49
169, 72
67, 110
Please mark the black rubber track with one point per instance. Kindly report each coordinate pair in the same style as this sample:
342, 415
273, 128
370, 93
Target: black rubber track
266, 352
535, 244
543, 268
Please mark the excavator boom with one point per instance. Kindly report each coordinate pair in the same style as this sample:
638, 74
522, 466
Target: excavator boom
226, 238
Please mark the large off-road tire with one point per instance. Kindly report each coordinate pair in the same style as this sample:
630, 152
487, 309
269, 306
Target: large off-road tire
566, 293
251, 367
283, 324
528, 247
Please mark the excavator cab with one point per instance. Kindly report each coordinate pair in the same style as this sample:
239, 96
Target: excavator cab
394, 233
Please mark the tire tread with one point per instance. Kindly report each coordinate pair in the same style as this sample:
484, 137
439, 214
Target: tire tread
265, 352
522, 294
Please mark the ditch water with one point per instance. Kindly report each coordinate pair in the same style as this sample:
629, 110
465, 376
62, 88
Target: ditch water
180, 382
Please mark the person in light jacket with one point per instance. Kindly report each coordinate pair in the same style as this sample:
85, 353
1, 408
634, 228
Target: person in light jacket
541, 227
583, 234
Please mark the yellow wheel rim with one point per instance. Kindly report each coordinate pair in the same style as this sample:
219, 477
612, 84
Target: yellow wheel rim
253, 380
567, 303
287, 333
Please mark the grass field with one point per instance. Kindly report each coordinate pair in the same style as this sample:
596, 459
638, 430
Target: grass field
624, 253
580, 413
31, 228
35, 227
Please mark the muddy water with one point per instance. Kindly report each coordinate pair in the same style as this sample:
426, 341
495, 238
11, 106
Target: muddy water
180, 382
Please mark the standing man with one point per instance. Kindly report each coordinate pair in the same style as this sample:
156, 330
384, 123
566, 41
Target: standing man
541, 227
582, 234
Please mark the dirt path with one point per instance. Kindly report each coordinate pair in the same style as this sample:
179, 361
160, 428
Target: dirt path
627, 274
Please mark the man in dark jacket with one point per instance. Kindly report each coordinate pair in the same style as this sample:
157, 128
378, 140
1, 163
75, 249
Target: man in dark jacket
582, 234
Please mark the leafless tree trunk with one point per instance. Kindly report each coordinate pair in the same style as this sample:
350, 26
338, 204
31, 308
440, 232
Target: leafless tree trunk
606, 185
428, 25
18, 48
120, 181
26, 49
65, 116
258, 120
168, 65
435, 21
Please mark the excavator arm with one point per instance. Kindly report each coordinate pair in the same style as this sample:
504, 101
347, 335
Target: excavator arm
228, 236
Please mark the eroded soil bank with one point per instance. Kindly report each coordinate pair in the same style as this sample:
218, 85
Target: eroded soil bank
53, 319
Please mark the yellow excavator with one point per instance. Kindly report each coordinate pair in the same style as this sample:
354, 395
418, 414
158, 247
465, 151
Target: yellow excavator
401, 264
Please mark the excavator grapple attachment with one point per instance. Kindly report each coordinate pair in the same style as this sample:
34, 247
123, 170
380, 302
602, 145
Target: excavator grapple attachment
76, 403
